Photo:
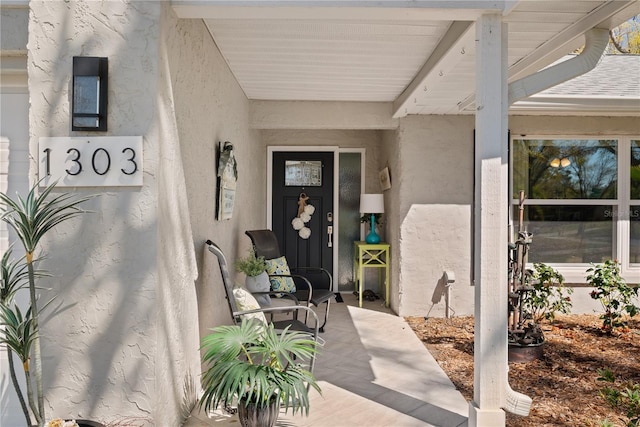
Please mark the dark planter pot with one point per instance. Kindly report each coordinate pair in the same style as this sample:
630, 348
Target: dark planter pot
89, 423
520, 353
251, 415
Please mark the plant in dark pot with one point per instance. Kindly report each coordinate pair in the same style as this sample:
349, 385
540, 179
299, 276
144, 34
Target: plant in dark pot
257, 279
258, 367
533, 296
542, 297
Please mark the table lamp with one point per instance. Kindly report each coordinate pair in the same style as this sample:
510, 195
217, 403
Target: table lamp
371, 204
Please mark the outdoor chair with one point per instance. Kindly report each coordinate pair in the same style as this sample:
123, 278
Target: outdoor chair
243, 305
311, 285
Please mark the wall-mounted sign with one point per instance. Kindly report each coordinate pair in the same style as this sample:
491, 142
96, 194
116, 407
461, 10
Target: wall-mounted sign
101, 161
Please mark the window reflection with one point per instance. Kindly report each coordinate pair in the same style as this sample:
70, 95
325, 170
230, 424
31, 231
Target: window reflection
635, 170
634, 243
570, 234
565, 169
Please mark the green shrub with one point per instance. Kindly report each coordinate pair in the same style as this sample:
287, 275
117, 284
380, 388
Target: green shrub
548, 296
624, 397
615, 295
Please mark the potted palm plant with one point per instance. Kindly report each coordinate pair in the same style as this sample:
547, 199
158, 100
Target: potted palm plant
258, 367
257, 279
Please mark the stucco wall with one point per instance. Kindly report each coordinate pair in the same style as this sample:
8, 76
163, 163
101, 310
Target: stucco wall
100, 348
433, 194
210, 107
435, 181
390, 157
125, 341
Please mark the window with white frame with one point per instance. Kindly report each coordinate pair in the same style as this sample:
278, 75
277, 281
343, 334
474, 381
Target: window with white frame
582, 199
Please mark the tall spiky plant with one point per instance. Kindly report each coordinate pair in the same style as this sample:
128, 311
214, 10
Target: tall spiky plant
31, 218
13, 277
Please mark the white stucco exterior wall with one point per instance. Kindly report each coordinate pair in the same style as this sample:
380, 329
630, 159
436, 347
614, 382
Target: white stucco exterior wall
129, 345
435, 192
429, 220
102, 353
210, 107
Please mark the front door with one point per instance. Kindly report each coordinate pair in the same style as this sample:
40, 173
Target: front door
300, 180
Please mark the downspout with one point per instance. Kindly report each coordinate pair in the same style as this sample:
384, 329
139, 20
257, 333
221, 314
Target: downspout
596, 41
595, 44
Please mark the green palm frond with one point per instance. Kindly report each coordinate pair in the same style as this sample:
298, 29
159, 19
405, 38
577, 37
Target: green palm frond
256, 363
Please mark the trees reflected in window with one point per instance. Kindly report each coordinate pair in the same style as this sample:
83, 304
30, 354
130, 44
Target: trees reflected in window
582, 174
634, 242
635, 170
565, 169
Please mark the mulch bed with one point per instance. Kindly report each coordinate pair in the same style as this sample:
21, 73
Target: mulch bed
563, 383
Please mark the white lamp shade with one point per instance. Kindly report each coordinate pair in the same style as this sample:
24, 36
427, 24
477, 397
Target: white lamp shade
371, 203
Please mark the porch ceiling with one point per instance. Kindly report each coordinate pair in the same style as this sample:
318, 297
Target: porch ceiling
418, 55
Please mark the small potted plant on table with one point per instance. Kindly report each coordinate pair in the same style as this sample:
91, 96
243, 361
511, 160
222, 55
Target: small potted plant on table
260, 368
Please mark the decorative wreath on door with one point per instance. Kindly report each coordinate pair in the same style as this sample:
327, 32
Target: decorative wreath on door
304, 216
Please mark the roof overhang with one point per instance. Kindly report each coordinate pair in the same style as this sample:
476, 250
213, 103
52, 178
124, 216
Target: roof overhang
417, 55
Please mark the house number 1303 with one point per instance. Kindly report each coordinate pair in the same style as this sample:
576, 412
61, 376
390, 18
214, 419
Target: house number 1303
89, 162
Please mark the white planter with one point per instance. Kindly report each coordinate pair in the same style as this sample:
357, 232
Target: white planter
260, 283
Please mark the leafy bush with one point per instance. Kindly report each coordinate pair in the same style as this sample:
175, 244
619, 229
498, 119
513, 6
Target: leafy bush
548, 295
625, 397
615, 295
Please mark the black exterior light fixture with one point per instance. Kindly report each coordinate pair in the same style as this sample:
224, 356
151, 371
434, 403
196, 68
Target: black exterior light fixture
89, 93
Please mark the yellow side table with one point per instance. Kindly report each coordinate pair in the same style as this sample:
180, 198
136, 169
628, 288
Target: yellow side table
367, 255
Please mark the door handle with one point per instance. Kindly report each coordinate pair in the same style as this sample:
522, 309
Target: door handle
330, 236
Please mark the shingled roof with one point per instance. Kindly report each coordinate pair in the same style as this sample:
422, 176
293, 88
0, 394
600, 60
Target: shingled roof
612, 87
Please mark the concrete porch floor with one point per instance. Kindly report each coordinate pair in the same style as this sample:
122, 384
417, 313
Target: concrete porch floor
373, 372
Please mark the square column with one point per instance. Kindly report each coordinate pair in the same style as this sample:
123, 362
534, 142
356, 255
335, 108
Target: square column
491, 220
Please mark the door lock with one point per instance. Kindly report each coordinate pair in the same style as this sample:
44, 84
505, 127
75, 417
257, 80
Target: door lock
330, 235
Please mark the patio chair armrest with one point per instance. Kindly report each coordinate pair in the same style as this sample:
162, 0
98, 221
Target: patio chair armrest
272, 310
294, 277
287, 295
317, 269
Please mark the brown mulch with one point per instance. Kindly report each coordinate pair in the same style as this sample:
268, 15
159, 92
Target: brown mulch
563, 383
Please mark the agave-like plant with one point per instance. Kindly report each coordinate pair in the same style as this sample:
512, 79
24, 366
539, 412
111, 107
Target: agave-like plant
253, 362
19, 335
31, 218
13, 277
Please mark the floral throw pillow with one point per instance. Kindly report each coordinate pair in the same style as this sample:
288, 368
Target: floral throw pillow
246, 301
280, 266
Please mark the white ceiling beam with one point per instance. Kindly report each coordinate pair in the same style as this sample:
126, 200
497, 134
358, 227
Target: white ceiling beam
340, 10
458, 41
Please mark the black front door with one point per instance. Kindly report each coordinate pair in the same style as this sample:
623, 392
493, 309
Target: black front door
301, 179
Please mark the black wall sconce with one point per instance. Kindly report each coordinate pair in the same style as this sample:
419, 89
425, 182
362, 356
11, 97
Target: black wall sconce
89, 93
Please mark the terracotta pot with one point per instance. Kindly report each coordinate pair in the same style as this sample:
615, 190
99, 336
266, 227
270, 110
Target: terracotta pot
251, 415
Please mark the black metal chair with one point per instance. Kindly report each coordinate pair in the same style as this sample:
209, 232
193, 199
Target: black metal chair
314, 285
283, 313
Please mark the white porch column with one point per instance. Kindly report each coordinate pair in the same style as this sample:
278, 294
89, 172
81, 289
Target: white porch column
490, 353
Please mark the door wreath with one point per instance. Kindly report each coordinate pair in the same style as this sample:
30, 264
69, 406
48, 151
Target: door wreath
305, 211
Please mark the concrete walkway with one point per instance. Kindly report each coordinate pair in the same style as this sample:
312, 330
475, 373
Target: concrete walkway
374, 372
